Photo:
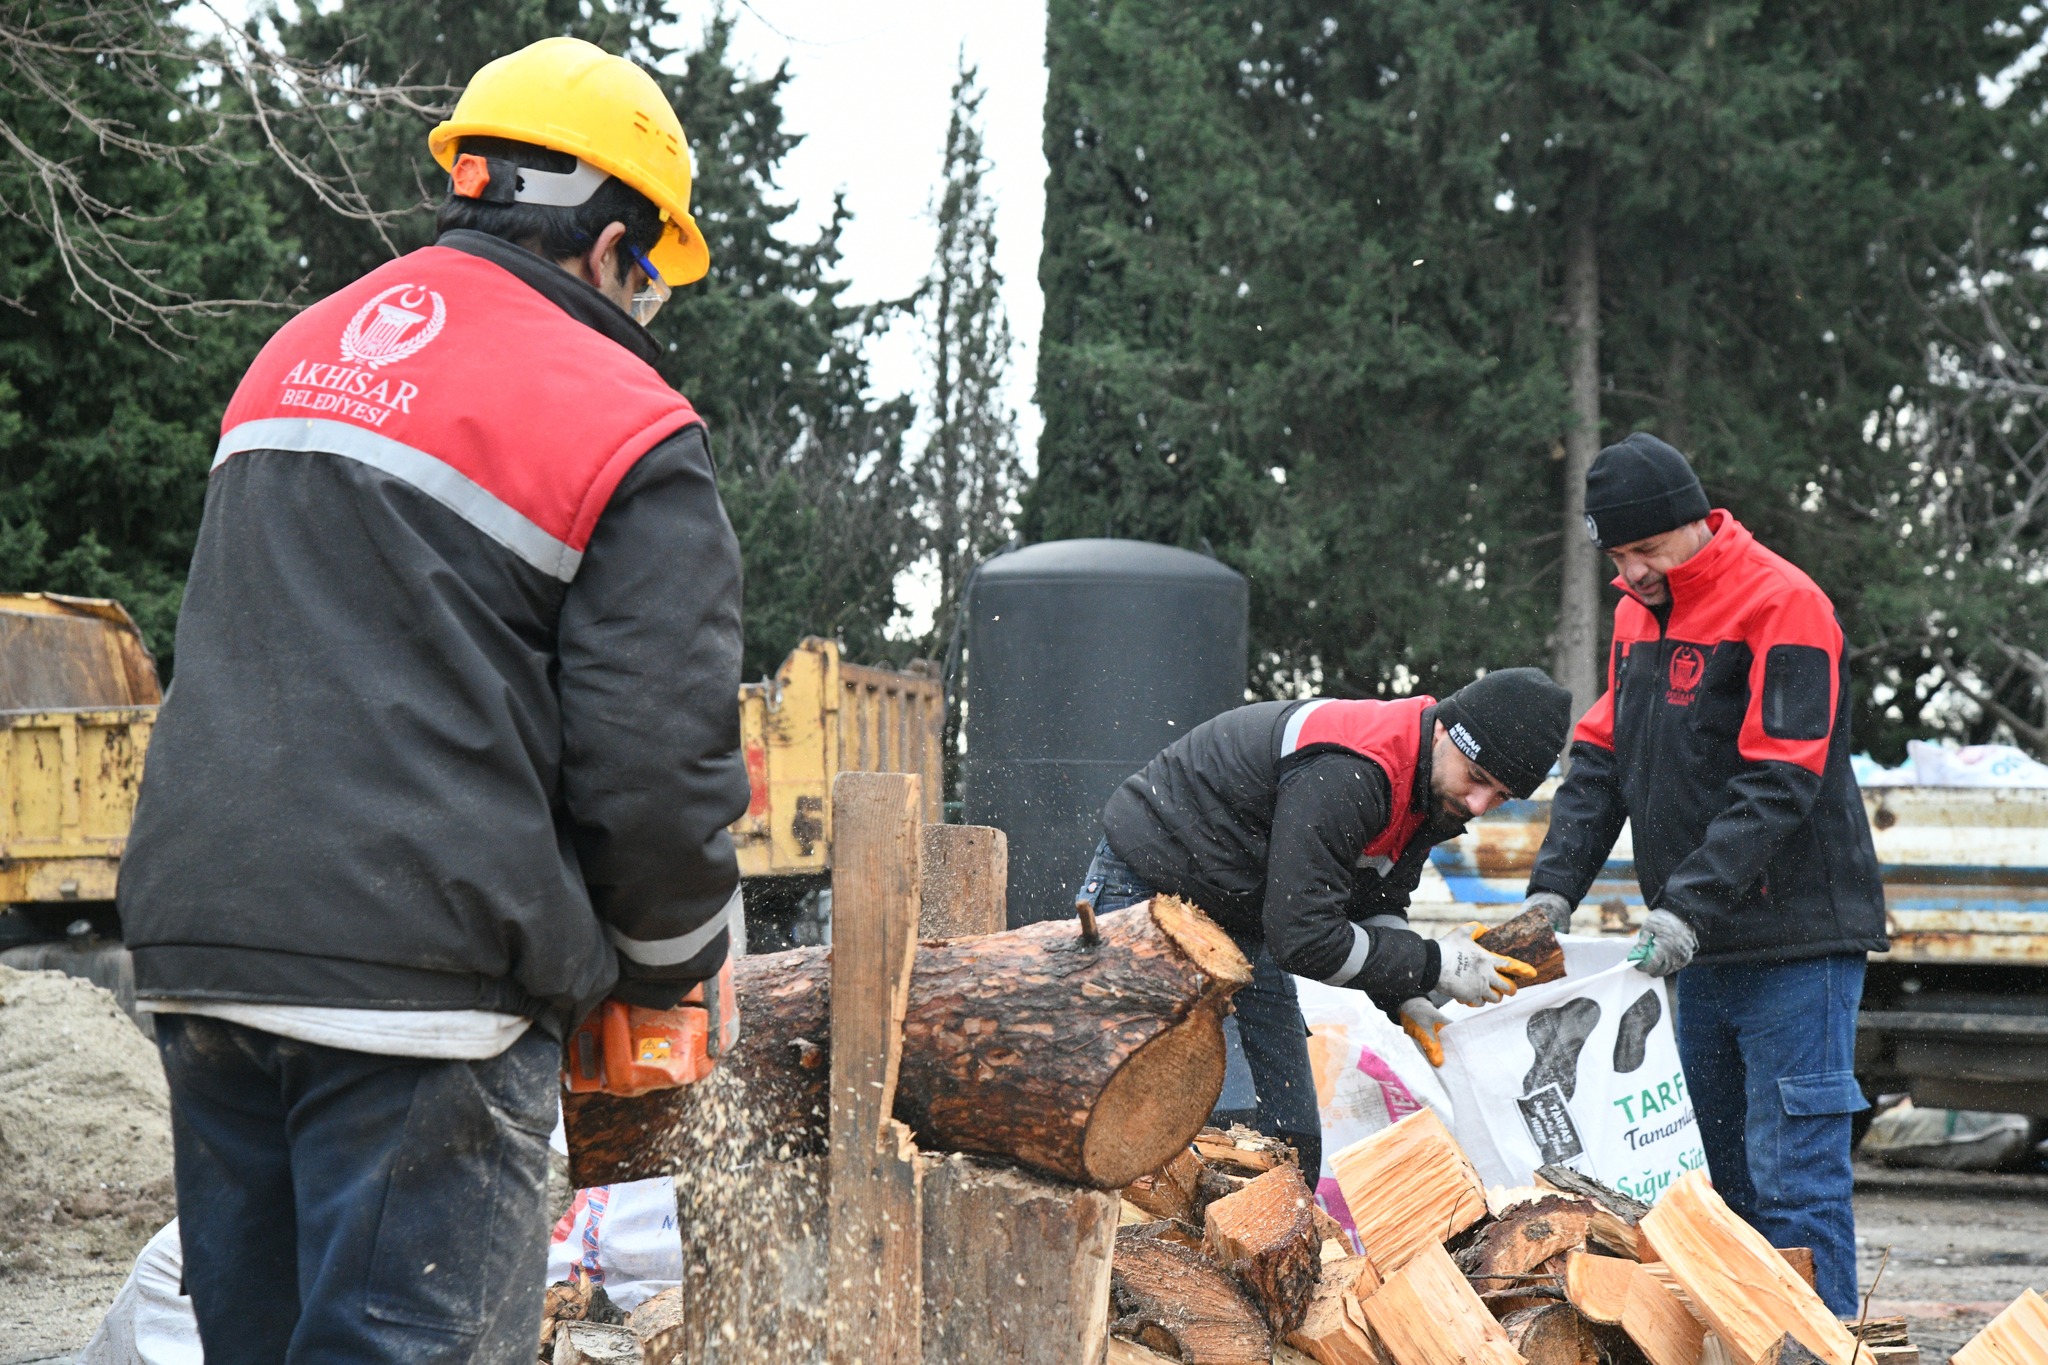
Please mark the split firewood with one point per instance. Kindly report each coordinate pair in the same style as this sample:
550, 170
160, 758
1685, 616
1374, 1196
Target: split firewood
1427, 1314
1327, 1228
659, 1323
1091, 1062
1283, 1354
1239, 1150
1215, 1185
1880, 1332
1529, 1291
575, 1300
1177, 1302
1264, 1235
1168, 1192
1553, 1334
596, 1343
1528, 938
1616, 1218
1125, 1352
1801, 1261
1737, 1281
1409, 1186
1526, 1236
1167, 1230
1617, 1292
2017, 1336
1333, 1331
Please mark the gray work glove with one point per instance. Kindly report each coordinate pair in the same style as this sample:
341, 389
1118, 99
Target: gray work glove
1664, 944
1555, 908
1422, 1021
1473, 976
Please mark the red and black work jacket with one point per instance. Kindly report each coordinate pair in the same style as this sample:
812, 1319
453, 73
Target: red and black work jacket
1723, 739
1302, 825
455, 723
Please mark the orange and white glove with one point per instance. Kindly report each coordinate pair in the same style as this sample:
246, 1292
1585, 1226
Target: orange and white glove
1473, 976
1422, 1021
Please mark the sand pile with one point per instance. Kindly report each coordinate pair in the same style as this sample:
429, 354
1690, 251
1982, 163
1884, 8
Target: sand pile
85, 1129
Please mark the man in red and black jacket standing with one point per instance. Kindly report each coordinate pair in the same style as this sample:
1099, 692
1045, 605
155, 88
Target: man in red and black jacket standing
1723, 739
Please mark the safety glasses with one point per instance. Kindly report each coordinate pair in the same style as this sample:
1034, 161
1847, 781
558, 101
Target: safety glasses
647, 302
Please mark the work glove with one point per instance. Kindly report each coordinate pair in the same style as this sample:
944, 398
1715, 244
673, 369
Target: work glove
1664, 944
1473, 976
1555, 908
1422, 1021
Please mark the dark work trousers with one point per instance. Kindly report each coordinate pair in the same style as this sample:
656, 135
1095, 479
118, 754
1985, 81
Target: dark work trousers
340, 1206
1769, 1051
1267, 1081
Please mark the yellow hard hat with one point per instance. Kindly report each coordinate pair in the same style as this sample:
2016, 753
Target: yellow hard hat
574, 97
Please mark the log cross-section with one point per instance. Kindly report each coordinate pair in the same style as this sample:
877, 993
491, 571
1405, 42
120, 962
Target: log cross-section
874, 1253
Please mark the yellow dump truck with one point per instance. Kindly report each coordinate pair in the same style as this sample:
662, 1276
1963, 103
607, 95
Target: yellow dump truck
78, 695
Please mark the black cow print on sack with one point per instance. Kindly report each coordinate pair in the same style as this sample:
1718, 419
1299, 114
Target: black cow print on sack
1558, 1035
1632, 1034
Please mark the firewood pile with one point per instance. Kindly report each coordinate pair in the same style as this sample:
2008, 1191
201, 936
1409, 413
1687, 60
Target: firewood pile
1224, 1258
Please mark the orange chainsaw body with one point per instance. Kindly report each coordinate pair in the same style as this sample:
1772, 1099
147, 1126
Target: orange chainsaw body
623, 1049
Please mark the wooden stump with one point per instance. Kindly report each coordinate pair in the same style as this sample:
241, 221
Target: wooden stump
1016, 1266
1091, 1063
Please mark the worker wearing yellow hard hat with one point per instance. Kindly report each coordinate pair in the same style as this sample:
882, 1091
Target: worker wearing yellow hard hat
457, 512
574, 97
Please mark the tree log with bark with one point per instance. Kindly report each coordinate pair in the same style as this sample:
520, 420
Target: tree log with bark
1091, 1062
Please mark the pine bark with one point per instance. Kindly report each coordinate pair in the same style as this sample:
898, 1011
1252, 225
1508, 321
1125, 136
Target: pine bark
1093, 1063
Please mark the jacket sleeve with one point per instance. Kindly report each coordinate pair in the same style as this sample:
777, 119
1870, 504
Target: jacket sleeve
651, 770
1327, 809
1587, 813
1795, 646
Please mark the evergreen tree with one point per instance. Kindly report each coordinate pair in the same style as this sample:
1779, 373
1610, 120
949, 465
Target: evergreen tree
968, 475
1324, 290
115, 363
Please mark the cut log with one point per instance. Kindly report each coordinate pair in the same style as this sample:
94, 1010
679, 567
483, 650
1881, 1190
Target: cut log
874, 1257
1426, 1314
1528, 938
1553, 1334
1264, 1235
1408, 1187
1177, 1302
1525, 1237
1737, 1281
1239, 1150
1801, 1261
2017, 1336
1015, 1266
1092, 1063
966, 881
1880, 1332
1168, 1192
596, 1343
659, 1322
1333, 1331
1617, 1217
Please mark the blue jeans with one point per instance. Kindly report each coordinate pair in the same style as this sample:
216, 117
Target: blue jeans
1268, 1083
1769, 1055
338, 1206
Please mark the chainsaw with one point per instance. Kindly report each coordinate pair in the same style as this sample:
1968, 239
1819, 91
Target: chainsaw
623, 1049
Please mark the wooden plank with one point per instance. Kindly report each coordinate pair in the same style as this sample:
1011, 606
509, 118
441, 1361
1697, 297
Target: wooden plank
1409, 1187
1738, 1283
1426, 1314
2017, 1336
874, 1253
1016, 1266
966, 881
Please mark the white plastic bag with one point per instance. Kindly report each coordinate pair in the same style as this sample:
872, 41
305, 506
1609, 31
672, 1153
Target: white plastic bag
623, 1237
1368, 1075
1581, 1072
150, 1322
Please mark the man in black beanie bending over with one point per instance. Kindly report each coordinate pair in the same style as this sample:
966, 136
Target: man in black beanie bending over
1723, 739
1301, 827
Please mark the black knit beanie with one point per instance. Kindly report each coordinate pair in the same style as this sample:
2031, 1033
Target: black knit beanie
1512, 723
1639, 488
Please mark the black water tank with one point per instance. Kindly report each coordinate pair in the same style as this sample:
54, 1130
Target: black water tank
1084, 659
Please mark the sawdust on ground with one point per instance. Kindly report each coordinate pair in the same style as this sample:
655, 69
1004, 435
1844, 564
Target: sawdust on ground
85, 1139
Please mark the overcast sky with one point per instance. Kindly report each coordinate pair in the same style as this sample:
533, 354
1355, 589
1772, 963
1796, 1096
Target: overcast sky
868, 91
